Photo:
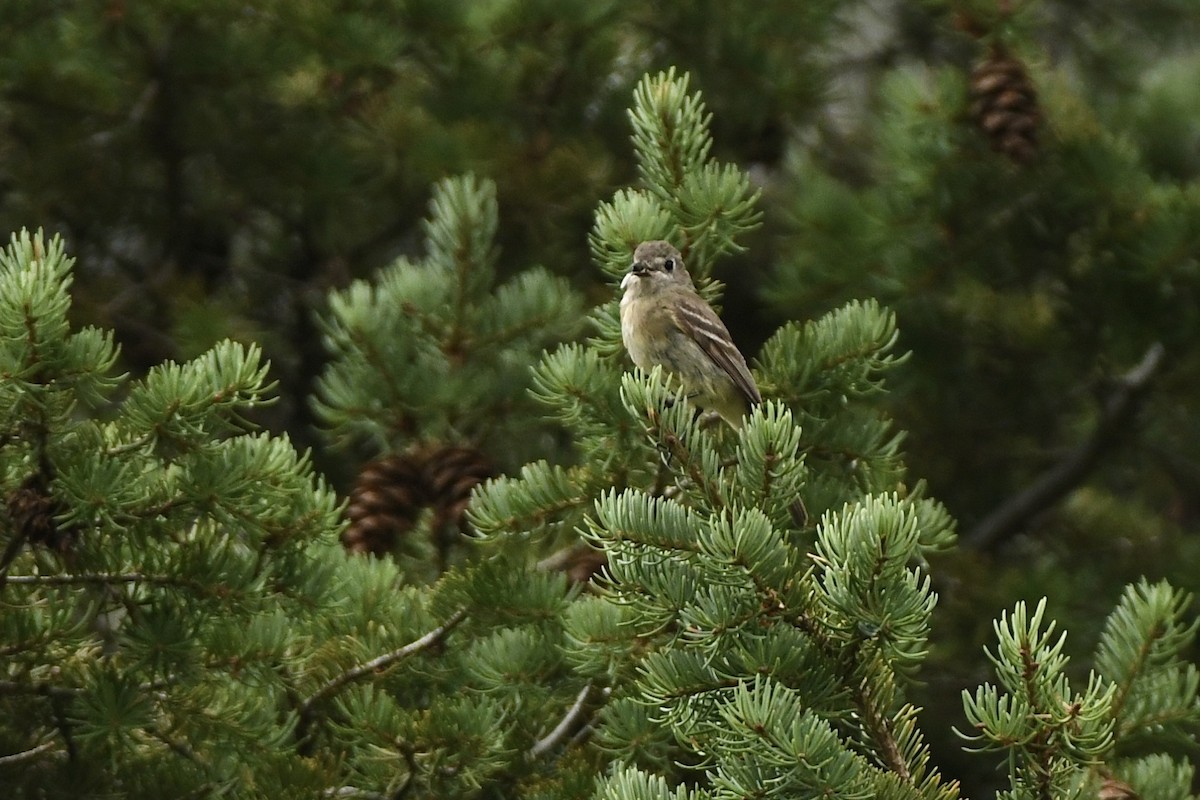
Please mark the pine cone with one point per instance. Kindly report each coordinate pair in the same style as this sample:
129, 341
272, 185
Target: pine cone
384, 504
579, 562
1005, 106
32, 510
1116, 789
391, 492
586, 565
450, 474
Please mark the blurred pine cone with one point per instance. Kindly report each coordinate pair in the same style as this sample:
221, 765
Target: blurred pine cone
32, 510
450, 474
391, 493
1116, 789
384, 504
586, 566
579, 563
1005, 106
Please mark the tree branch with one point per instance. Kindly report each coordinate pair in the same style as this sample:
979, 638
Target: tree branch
10, 555
565, 726
352, 793
44, 689
879, 727
25, 755
386, 660
1118, 410
130, 577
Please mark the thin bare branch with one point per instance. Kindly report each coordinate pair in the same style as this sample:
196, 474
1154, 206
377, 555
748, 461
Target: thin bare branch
566, 726
381, 662
25, 755
44, 689
1118, 410
88, 578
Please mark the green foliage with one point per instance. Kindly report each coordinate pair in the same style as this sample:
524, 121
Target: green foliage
146, 525
1142, 689
729, 652
224, 165
708, 203
746, 651
178, 620
1071, 730
1141, 652
580, 386
181, 619
1028, 296
434, 349
1024, 293
830, 371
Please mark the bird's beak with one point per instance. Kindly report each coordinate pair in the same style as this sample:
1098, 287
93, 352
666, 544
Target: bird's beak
636, 271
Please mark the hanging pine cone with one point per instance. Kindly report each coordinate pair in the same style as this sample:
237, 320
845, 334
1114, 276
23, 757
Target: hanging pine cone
384, 504
586, 565
1116, 789
579, 563
450, 474
391, 493
32, 509
1005, 107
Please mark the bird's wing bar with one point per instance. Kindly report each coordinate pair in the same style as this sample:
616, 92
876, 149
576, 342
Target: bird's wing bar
705, 328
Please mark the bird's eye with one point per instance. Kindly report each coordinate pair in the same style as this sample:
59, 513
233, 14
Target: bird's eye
669, 264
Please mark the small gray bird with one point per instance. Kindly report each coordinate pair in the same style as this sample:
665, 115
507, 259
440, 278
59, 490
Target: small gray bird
665, 322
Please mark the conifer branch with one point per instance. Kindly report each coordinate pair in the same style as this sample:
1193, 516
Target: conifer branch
879, 728
10, 555
566, 726
355, 793
560, 559
25, 755
1136, 666
336, 683
875, 723
181, 749
677, 449
130, 577
45, 689
131, 446
1118, 410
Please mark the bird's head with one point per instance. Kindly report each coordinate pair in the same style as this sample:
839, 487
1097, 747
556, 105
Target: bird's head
655, 264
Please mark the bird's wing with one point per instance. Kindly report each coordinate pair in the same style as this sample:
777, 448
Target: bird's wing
701, 323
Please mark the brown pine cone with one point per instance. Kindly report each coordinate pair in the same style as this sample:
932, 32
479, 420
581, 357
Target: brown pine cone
451, 473
384, 504
391, 493
579, 562
586, 565
1005, 106
1116, 789
32, 510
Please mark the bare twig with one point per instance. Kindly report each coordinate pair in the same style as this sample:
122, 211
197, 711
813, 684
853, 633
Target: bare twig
561, 559
44, 689
129, 577
1119, 408
10, 555
386, 660
25, 755
352, 793
565, 726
